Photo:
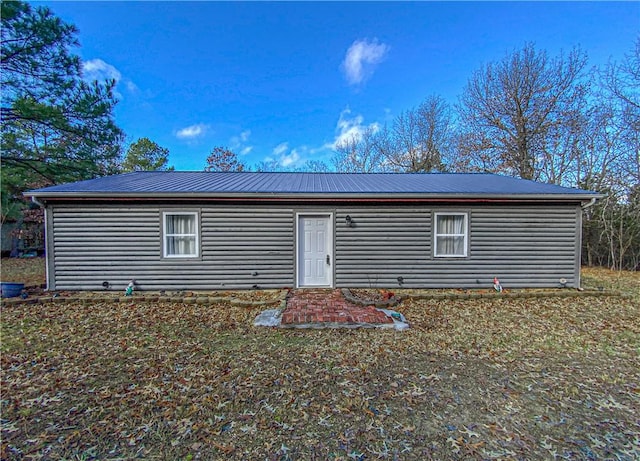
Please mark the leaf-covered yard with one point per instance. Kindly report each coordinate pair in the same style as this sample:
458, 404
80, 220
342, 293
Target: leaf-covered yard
472, 379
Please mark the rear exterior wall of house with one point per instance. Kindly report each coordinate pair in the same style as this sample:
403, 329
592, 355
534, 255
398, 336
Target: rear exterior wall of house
254, 246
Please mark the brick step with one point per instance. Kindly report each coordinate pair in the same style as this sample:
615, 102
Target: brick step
328, 306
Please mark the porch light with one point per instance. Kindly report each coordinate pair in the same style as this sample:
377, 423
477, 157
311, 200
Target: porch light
349, 221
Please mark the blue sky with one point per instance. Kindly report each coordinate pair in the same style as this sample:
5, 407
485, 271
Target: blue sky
285, 81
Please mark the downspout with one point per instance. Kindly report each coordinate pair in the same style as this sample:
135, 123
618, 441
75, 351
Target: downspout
46, 239
37, 202
589, 204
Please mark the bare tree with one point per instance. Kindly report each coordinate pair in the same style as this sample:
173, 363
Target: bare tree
622, 80
610, 163
268, 166
616, 220
420, 137
313, 166
518, 113
359, 153
599, 153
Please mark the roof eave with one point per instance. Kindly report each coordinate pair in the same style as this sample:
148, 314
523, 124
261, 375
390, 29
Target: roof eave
387, 196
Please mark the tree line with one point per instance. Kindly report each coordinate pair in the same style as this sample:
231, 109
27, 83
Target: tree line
527, 114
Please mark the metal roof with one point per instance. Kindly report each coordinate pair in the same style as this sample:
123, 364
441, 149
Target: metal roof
254, 184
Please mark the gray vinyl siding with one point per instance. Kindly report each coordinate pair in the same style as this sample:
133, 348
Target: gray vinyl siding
382, 245
118, 244
243, 246
526, 246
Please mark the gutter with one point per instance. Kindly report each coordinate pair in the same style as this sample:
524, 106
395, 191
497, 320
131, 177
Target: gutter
381, 197
36, 201
590, 203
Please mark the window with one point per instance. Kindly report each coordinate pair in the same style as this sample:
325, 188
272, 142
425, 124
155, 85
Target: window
450, 235
180, 234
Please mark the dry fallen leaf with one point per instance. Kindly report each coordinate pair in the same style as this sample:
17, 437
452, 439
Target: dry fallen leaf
477, 378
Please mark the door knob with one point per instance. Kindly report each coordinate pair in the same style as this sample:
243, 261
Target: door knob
328, 259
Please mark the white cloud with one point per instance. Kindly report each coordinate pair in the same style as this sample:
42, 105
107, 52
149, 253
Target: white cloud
285, 157
131, 86
192, 132
349, 128
280, 149
239, 143
290, 159
97, 69
361, 59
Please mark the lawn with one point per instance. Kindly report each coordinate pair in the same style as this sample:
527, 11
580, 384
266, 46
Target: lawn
472, 379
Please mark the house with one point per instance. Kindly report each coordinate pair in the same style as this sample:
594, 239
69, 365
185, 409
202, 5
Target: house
207, 230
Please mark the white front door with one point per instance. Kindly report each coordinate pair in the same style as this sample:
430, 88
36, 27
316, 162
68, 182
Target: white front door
315, 258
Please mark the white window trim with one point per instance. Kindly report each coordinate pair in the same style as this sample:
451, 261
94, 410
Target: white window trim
436, 235
165, 235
